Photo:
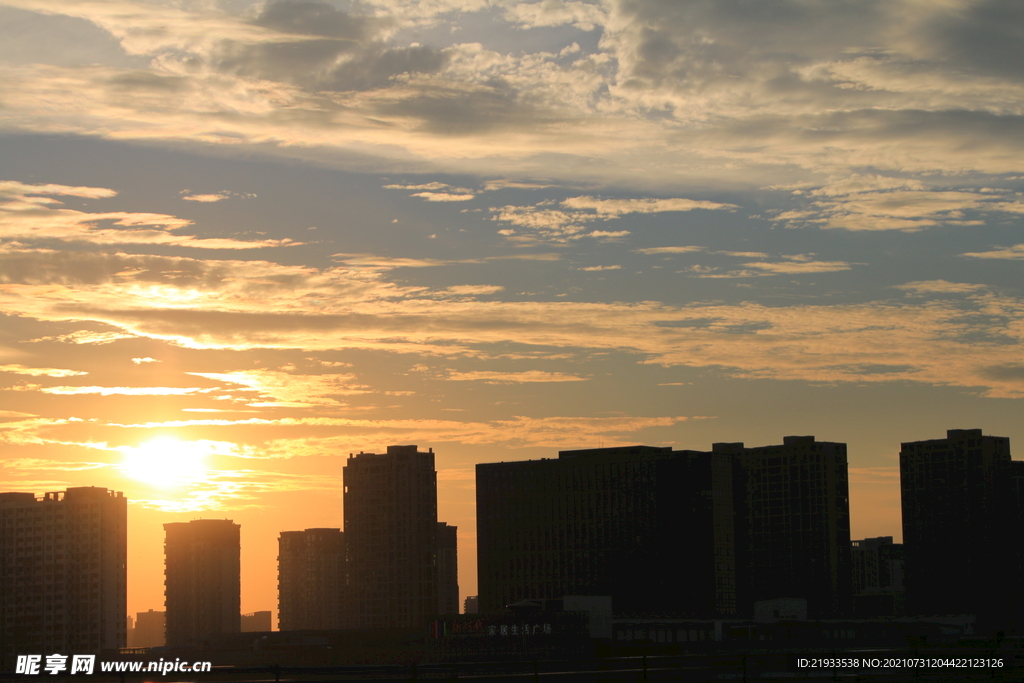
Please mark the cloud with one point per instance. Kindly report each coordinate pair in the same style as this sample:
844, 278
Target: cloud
881, 203
669, 250
618, 207
595, 268
29, 213
291, 390
796, 267
1011, 253
122, 391
474, 290
513, 377
40, 372
940, 287
211, 198
444, 196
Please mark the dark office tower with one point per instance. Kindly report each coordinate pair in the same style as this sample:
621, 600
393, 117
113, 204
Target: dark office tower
447, 569
958, 506
63, 572
793, 523
311, 579
390, 531
202, 586
651, 527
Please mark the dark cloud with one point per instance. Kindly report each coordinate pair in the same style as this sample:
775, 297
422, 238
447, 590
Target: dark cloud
147, 80
345, 52
1004, 373
317, 19
988, 38
90, 268
304, 62
374, 68
464, 112
687, 44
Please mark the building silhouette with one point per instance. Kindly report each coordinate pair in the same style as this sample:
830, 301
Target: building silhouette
447, 569
311, 579
651, 527
961, 505
792, 523
148, 630
686, 533
202, 586
877, 577
256, 622
390, 537
63, 578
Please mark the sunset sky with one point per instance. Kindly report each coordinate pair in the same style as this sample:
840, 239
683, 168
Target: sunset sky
241, 240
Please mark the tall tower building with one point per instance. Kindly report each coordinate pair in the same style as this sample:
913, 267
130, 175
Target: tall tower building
447, 569
610, 521
311, 579
63, 576
960, 502
390, 531
202, 587
793, 523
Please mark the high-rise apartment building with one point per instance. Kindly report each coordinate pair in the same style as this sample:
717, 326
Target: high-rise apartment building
877, 565
202, 586
651, 527
390, 537
960, 513
311, 579
447, 569
793, 523
63, 576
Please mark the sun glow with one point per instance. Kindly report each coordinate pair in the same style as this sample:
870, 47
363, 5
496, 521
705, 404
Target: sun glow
166, 462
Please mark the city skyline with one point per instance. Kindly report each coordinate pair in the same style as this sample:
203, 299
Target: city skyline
240, 240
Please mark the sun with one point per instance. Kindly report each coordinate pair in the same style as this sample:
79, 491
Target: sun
165, 462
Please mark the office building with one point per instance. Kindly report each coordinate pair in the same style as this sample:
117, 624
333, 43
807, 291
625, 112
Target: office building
447, 569
390, 537
960, 515
63, 577
258, 622
793, 523
202, 586
311, 579
149, 629
651, 527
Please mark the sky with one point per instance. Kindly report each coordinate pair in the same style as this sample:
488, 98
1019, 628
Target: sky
242, 240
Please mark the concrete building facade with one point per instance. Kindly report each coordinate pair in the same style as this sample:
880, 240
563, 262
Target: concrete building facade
63, 572
202, 587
